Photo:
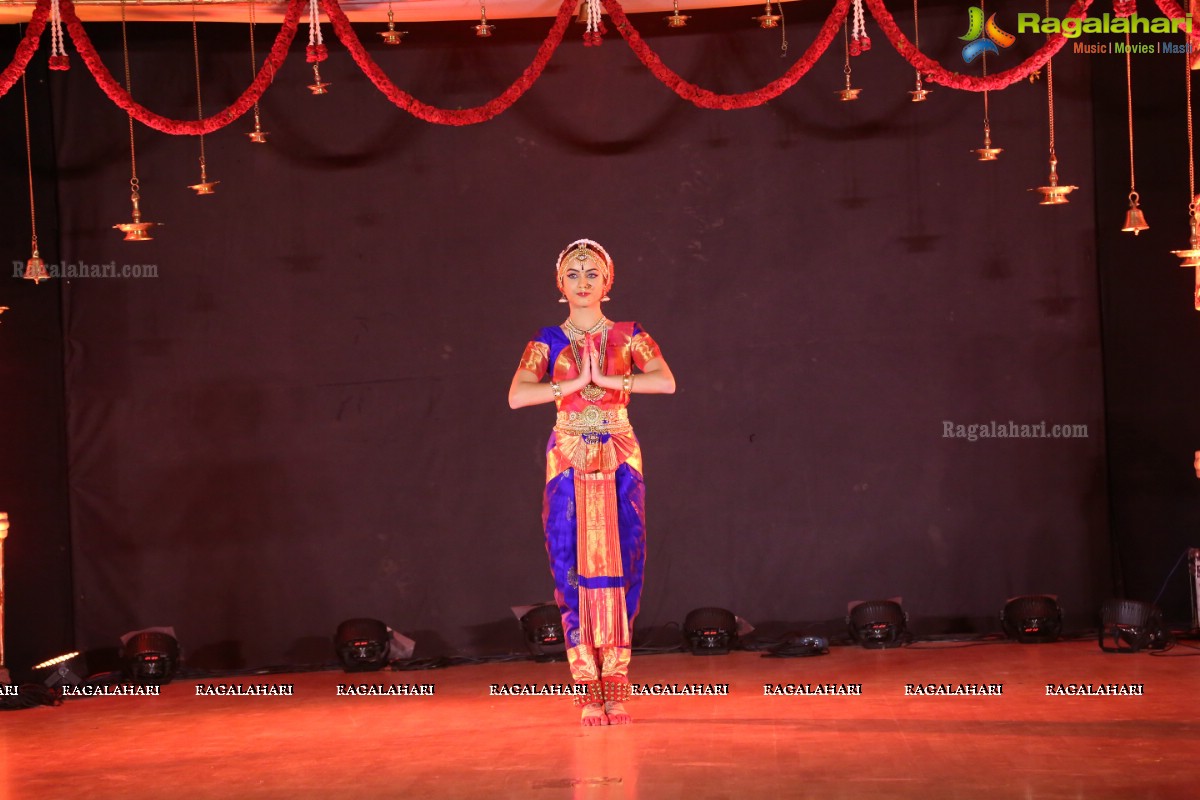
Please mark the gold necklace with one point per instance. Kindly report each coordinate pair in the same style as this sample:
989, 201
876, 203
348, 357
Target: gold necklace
578, 331
591, 392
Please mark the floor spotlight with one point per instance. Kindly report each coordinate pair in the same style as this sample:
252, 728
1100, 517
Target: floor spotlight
362, 645
62, 670
1129, 626
1032, 618
710, 631
151, 656
878, 624
542, 626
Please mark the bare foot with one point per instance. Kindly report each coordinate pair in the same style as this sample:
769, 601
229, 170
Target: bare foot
593, 714
616, 713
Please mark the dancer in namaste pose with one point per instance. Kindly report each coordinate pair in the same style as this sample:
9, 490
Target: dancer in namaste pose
594, 504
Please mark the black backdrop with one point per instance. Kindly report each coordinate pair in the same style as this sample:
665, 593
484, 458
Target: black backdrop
302, 417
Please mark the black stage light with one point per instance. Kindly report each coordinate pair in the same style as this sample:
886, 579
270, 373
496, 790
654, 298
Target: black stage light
1128, 626
878, 624
710, 631
362, 645
150, 657
1032, 618
543, 630
62, 670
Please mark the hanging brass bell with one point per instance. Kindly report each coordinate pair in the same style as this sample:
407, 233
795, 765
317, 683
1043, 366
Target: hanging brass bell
1135, 220
35, 269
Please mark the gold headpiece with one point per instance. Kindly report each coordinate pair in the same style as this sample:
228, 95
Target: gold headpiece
578, 253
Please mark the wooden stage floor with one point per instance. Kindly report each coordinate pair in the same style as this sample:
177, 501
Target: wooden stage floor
464, 742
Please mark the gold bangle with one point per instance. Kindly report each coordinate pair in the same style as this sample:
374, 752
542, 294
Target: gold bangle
627, 383
554, 385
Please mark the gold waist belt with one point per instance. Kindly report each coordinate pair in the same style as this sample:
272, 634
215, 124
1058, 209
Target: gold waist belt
593, 420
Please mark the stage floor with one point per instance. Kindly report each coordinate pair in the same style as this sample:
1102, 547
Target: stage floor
465, 742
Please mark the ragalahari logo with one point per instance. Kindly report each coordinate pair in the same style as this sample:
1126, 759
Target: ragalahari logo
983, 38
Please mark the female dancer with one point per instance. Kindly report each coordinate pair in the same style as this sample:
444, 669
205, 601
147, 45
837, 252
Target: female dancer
594, 502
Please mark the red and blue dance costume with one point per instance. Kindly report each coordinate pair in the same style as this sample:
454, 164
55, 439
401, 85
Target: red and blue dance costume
594, 503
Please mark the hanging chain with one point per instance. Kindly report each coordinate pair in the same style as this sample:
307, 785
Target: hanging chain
253, 57
1191, 145
1129, 112
1050, 91
133, 179
987, 122
916, 38
783, 45
846, 41
199, 102
29, 161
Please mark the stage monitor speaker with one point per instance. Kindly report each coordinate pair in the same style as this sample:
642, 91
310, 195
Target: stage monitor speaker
1032, 619
1130, 626
878, 624
362, 644
151, 657
542, 626
710, 631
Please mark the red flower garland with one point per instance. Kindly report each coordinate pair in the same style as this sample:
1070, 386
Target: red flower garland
707, 99
27, 47
118, 95
956, 80
1172, 10
448, 116
688, 91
